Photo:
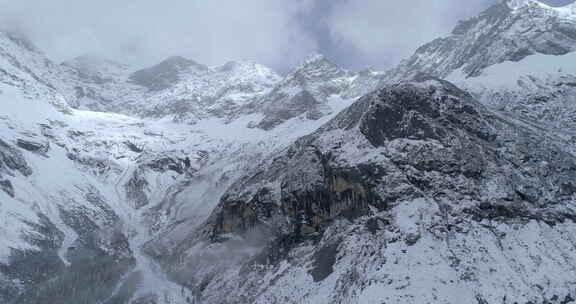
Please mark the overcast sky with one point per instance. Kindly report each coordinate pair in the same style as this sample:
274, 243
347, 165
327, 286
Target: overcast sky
279, 33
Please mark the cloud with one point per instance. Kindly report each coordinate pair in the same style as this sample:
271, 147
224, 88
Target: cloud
209, 31
354, 33
388, 31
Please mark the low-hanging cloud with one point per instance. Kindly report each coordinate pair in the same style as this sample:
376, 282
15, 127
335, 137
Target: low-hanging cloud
387, 31
354, 33
383, 32
209, 31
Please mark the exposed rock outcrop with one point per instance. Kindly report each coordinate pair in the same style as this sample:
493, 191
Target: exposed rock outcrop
420, 162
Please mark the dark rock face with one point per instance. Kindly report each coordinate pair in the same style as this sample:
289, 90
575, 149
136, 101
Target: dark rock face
164, 74
136, 189
474, 143
437, 140
33, 146
296, 105
88, 281
137, 186
164, 163
412, 115
134, 147
32, 267
241, 216
6, 186
324, 260
12, 160
87, 271
305, 92
96, 165
314, 191
424, 142
343, 200
98, 259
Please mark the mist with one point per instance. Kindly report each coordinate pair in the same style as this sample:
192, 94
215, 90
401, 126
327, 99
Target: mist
278, 33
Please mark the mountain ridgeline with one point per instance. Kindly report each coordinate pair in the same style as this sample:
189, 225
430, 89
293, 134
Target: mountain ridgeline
450, 178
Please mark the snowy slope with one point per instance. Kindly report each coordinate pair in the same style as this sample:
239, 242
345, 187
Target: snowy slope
83, 191
67, 200
515, 57
540, 89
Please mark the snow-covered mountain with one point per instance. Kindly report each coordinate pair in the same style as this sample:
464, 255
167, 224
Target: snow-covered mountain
71, 182
434, 199
313, 90
449, 179
176, 88
83, 191
188, 92
184, 91
539, 89
516, 57
509, 31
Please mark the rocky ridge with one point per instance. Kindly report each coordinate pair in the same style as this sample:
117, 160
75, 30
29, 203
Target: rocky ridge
508, 31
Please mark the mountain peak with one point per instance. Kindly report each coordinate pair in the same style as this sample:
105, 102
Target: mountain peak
518, 4
164, 74
230, 65
314, 57
317, 64
181, 62
509, 31
239, 65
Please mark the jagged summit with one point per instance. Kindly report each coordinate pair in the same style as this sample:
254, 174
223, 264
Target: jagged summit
164, 74
314, 57
310, 92
317, 67
508, 31
518, 4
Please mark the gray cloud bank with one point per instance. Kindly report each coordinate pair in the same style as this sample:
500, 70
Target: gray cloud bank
279, 33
